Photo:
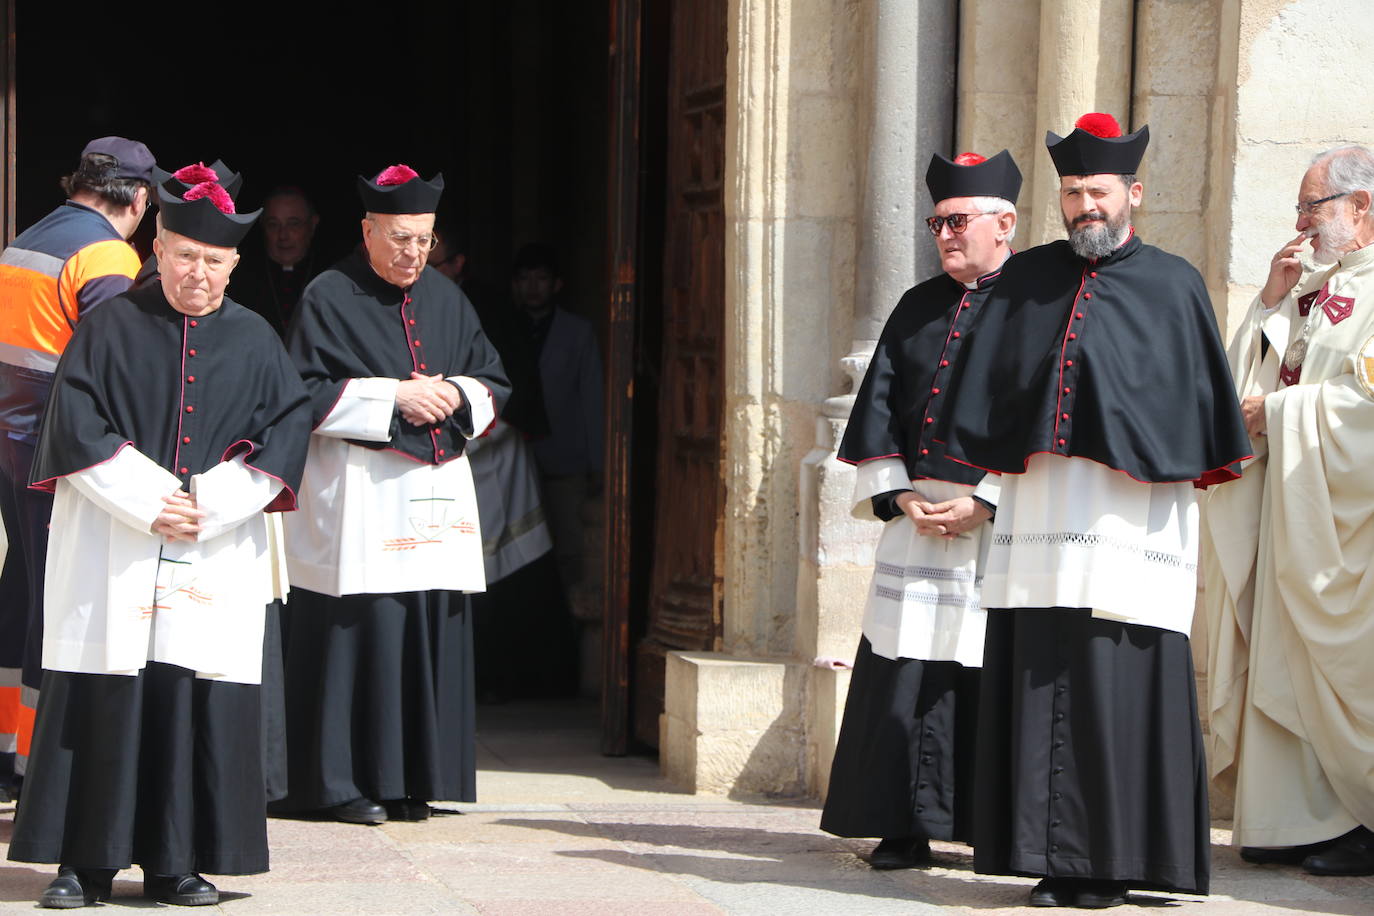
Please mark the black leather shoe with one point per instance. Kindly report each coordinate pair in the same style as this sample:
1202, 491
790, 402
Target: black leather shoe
1053, 892
75, 887
180, 890
1352, 854
407, 809
358, 811
904, 852
1281, 855
1098, 895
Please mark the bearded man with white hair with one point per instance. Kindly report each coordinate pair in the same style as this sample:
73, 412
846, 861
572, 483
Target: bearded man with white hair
1290, 570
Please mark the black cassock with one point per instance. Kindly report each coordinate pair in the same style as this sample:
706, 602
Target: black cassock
1090, 756
163, 769
380, 687
903, 763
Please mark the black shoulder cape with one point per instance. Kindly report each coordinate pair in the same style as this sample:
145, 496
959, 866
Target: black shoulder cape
186, 392
350, 323
1117, 360
906, 386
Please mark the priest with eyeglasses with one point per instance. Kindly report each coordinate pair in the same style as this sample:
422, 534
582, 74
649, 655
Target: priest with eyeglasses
388, 544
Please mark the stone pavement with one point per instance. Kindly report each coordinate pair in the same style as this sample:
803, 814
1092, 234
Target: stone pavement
561, 830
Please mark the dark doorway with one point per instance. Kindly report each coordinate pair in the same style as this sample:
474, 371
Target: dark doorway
506, 99
513, 102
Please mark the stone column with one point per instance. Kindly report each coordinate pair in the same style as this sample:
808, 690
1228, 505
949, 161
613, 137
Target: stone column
1084, 65
910, 116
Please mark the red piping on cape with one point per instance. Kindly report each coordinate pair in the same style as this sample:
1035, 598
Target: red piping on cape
1206, 479
48, 486
285, 500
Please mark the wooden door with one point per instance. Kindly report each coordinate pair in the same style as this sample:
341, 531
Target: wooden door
685, 587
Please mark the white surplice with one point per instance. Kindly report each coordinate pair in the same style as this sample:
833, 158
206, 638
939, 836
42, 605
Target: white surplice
923, 601
373, 521
1073, 533
119, 596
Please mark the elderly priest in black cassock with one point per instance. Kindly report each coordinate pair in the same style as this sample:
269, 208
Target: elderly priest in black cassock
379, 691
1097, 386
903, 766
176, 421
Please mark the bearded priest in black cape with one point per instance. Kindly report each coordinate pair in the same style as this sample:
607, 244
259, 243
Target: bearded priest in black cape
176, 421
903, 767
387, 546
1097, 386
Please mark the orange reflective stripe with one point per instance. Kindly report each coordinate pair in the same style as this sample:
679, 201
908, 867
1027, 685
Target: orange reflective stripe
99, 259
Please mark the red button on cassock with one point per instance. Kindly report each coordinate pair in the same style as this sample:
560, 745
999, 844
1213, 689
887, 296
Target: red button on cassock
411, 321
193, 322
935, 391
925, 451
417, 341
423, 366
186, 440
1073, 337
955, 334
929, 420
943, 363
185, 471
190, 352
1066, 391
1093, 275
442, 453
1079, 316
1063, 416
1061, 442
190, 378
1087, 295
190, 409
965, 305
1068, 362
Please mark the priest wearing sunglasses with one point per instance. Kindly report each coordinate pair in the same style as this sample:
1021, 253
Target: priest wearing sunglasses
903, 762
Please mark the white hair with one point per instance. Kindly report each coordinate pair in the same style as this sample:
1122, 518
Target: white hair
997, 206
1348, 169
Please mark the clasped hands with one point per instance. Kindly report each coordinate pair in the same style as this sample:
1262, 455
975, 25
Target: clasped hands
426, 399
180, 519
948, 519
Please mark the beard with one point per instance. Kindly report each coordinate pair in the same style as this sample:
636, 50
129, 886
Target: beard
1337, 237
1095, 235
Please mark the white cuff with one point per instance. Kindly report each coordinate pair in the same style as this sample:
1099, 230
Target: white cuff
230, 493
881, 475
479, 402
989, 489
363, 411
129, 486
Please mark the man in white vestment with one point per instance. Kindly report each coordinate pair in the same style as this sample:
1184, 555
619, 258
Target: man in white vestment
176, 421
1290, 569
387, 545
903, 764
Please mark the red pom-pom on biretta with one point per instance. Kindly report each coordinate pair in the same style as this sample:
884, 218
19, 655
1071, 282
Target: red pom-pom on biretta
1099, 124
395, 174
218, 196
195, 174
969, 159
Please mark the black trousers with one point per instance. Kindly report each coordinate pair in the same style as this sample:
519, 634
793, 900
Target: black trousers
1090, 756
904, 760
163, 770
379, 698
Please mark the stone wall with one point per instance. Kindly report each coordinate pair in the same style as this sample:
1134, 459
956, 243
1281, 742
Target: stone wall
833, 120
